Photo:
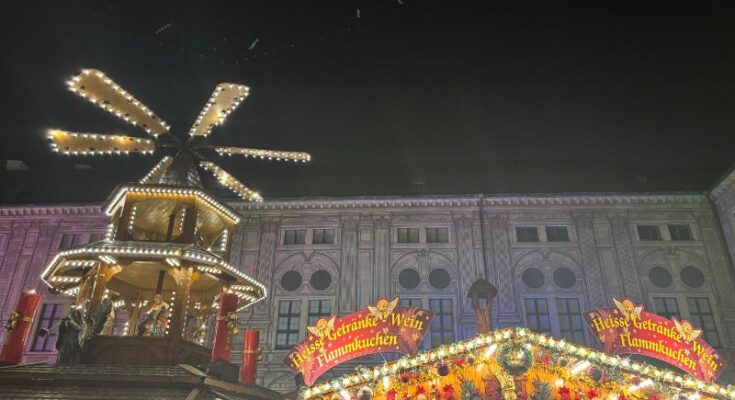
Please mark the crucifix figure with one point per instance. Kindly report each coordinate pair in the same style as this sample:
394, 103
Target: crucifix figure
482, 290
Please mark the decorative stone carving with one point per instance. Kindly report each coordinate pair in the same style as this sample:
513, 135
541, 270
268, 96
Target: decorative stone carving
348, 273
266, 256
624, 249
501, 250
381, 222
722, 275
590, 259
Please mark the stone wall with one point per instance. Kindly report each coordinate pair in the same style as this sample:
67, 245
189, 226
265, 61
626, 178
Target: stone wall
602, 255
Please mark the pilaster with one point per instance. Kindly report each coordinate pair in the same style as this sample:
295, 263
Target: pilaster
348, 275
590, 260
619, 223
266, 258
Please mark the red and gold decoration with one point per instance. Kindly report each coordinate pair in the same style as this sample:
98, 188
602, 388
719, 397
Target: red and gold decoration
250, 356
627, 328
383, 327
516, 363
17, 327
226, 327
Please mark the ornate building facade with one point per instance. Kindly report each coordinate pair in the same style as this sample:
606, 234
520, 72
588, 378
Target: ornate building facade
551, 256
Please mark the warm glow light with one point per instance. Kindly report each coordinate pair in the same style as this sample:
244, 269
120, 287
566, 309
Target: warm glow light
102, 91
277, 155
225, 98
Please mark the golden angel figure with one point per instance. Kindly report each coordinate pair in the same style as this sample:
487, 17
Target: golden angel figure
322, 327
686, 330
628, 309
383, 308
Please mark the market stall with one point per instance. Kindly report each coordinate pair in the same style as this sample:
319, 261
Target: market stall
515, 363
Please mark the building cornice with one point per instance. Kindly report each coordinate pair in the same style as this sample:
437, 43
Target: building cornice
51, 209
725, 181
572, 199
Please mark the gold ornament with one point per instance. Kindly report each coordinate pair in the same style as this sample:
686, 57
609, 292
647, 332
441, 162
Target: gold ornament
14, 319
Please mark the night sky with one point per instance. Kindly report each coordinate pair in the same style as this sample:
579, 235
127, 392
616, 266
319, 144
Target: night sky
391, 97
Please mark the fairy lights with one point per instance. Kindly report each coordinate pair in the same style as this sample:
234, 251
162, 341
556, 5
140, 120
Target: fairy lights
223, 244
277, 155
491, 341
86, 144
225, 98
79, 263
168, 191
108, 259
65, 279
246, 288
109, 234
173, 262
96, 87
131, 219
208, 270
182, 219
99, 89
228, 180
157, 170
170, 314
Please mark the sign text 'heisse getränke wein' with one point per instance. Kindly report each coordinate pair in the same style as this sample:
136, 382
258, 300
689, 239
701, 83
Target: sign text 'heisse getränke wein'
626, 328
384, 327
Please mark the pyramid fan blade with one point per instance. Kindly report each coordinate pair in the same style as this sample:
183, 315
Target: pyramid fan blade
158, 170
265, 154
225, 98
96, 144
228, 180
96, 87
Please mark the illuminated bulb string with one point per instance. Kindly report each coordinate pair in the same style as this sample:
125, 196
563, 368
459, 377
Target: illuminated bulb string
492, 340
232, 183
115, 203
218, 107
265, 154
86, 144
131, 219
83, 83
170, 311
164, 163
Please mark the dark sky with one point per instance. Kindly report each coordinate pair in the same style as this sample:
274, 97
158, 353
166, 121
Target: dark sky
462, 97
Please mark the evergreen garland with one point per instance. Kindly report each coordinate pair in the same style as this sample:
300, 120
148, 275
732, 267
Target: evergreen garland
469, 390
515, 359
542, 391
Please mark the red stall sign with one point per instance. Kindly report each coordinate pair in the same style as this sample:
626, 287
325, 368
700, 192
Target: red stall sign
384, 327
628, 329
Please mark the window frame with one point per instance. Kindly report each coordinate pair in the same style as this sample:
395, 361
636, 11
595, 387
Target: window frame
426, 340
641, 239
518, 228
303, 316
676, 227
453, 321
409, 230
53, 334
319, 314
566, 233
323, 235
437, 236
295, 237
72, 239
552, 307
685, 313
288, 331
